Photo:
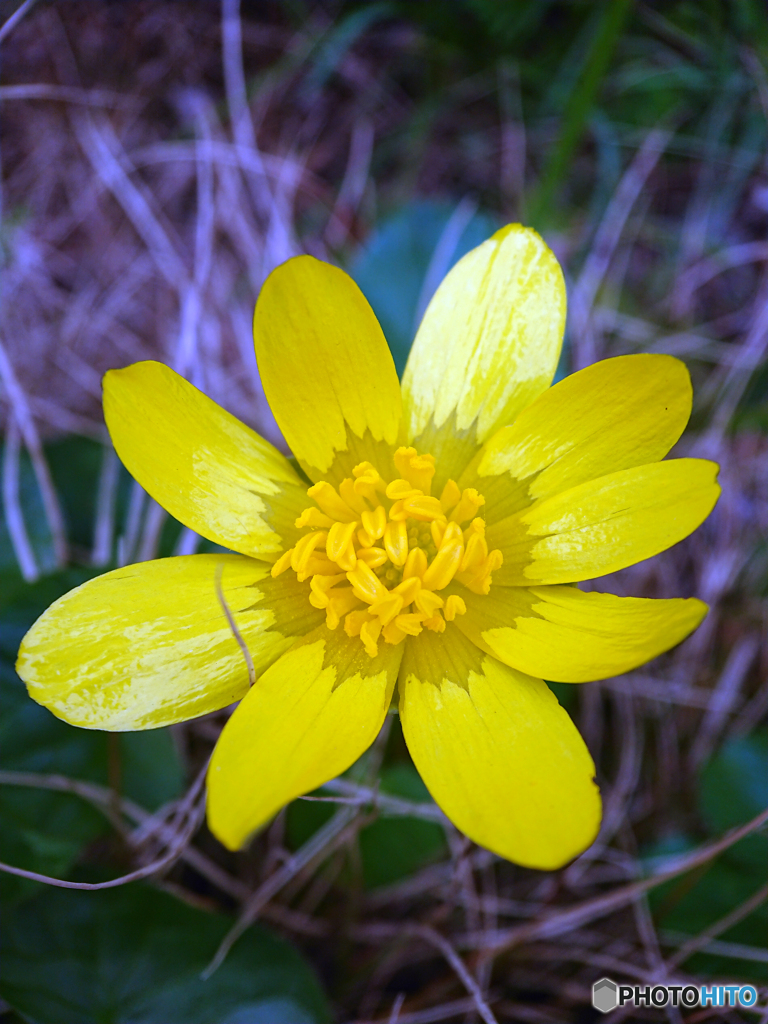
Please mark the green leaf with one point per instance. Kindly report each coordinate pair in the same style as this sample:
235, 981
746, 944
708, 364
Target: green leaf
135, 955
42, 831
393, 265
733, 789
689, 905
734, 784
151, 770
75, 464
390, 848
47, 831
393, 848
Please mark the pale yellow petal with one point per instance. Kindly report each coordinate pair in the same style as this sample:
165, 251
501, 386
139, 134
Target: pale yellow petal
606, 524
565, 635
326, 369
307, 719
498, 753
616, 414
205, 467
489, 342
149, 644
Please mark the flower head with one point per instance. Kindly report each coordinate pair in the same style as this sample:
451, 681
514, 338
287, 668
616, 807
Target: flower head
435, 552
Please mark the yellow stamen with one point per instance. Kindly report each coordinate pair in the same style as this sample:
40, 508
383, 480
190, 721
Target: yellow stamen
393, 634
373, 557
475, 553
409, 588
468, 506
313, 517
305, 546
415, 564
423, 508
454, 606
410, 624
397, 512
366, 584
368, 481
329, 501
317, 564
446, 562
352, 498
369, 634
396, 542
319, 587
436, 623
417, 469
378, 553
283, 563
399, 489
428, 602
354, 622
387, 607
339, 546
341, 601
450, 496
374, 523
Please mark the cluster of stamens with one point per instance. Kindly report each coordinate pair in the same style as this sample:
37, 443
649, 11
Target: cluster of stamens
377, 553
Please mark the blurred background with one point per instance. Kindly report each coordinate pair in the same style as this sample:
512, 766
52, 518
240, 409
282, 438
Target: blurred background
159, 158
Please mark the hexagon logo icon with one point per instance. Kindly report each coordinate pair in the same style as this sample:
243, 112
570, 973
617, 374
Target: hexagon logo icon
605, 995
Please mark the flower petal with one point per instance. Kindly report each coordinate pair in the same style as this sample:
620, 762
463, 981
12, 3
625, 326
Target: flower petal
498, 753
205, 467
489, 341
149, 644
307, 719
325, 366
604, 524
565, 635
616, 414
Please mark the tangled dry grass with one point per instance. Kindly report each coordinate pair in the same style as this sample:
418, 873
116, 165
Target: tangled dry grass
153, 177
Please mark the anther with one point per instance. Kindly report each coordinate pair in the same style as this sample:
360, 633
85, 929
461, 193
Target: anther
368, 481
319, 587
409, 623
341, 602
329, 501
305, 546
468, 506
348, 493
366, 584
369, 634
283, 563
422, 507
313, 517
373, 557
417, 469
454, 606
374, 523
387, 607
446, 562
339, 546
398, 489
415, 564
450, 496
396, 542
428, 602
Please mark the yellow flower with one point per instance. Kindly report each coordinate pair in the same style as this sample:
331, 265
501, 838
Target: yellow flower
435, 550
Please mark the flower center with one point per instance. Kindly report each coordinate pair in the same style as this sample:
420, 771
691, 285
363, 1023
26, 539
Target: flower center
377, 553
